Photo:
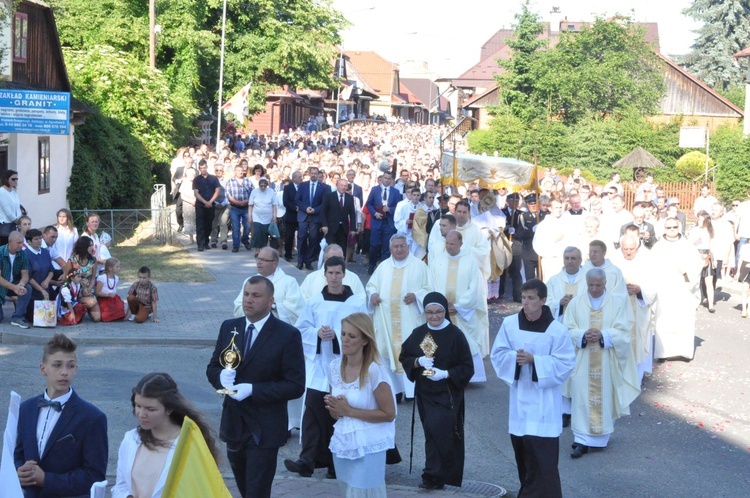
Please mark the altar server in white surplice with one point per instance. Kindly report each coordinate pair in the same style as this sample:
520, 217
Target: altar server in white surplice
288, 302
597, 259
474, 239
604, 381
455, 274
636, 266
567, 284
315, 281
395, 291
436, 242
403, 218
320, 326
533, 354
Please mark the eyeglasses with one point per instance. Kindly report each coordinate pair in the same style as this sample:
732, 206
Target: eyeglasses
735, 205
265, 260
672, 228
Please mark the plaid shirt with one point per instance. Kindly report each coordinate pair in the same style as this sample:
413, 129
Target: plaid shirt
12, 274
145, 294
239, 189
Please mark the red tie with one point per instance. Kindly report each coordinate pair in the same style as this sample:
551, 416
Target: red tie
341, 200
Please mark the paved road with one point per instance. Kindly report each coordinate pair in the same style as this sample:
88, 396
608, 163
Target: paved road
688, 435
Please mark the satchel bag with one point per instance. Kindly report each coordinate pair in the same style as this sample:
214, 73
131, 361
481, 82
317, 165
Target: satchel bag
273, 230
44, 314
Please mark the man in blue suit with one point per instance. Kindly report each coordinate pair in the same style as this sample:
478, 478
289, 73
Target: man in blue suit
272, 372
381, 203
309, 201
62, 446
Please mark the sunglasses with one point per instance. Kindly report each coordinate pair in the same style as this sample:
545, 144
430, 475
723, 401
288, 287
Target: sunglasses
671, 228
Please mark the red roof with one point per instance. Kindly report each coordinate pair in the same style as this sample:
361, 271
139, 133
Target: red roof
373, 69
742, 53
406, 95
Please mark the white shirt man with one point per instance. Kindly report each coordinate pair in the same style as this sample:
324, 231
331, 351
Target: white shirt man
455, 274
604, 381
439, 230
566, 284
551, 238
396, 290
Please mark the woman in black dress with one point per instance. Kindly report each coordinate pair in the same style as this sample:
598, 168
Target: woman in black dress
440, 396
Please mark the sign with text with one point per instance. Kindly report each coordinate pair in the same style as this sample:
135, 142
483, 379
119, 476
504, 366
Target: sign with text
35, 112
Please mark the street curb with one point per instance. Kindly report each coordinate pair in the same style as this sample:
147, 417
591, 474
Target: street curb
35, 338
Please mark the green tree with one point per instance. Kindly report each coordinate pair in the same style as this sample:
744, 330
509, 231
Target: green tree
732, 154
693, 164
725, 31
517, 82
607, 69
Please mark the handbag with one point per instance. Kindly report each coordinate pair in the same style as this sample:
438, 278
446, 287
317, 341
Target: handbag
273, 230
44, 314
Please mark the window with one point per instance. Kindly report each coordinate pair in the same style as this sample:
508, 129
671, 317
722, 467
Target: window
44, 165
20, 36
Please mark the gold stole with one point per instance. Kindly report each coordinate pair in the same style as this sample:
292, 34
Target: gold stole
451, 282
571, 288
596, 408
395, 300
633, 328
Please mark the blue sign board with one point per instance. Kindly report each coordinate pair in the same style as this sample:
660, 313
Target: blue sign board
36, 112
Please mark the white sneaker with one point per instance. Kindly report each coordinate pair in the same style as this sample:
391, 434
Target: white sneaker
131, 318
150, 315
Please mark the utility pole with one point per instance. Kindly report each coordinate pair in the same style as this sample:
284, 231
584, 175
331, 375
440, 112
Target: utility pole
152, 34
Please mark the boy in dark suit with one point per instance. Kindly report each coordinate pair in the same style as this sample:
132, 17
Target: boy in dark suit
271, 372
61, 448
337, 215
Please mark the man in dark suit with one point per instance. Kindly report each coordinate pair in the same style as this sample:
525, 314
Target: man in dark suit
70, 454
309, 201
512, 215
337, 215
290, 217
356, 189
271, 373
525, 233
382, 203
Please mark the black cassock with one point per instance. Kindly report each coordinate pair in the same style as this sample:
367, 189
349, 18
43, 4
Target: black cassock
441, 403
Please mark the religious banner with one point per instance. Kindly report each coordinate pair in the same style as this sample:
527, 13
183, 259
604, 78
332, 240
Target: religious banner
490, 172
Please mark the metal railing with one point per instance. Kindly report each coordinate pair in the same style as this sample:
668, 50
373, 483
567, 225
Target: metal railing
136, 224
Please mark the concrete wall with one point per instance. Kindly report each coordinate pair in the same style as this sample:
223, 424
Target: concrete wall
23, 156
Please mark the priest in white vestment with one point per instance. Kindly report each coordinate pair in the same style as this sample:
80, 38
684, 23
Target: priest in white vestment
604, 381
455, 274
551, 237
426, 213
287, 305
395, 293
474, 240
491, 222
315, 281
640, 282
436, 242
533, 354
566, 284
403, 219
678, 266
597, 259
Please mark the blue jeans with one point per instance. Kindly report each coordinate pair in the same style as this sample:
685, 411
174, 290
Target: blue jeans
21, 304
238, 215
742, 242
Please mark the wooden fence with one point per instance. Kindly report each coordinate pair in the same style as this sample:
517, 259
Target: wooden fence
687, 192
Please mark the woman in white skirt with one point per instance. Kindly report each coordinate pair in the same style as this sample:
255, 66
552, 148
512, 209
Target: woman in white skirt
363, 403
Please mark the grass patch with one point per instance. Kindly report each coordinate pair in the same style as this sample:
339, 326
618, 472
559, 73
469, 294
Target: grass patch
167, 263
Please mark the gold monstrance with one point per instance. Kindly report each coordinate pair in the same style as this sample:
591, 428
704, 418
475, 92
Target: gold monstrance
230, 359
428, 347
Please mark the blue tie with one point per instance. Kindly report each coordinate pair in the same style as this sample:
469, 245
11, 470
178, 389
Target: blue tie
248, 338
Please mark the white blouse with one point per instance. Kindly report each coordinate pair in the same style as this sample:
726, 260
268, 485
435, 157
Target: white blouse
354, 438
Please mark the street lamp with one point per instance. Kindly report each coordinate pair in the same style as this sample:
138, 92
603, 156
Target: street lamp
221, 72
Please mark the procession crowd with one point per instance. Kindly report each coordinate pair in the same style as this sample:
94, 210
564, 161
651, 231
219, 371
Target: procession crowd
604, 292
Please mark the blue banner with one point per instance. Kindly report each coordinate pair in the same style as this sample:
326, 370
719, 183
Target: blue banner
35, 112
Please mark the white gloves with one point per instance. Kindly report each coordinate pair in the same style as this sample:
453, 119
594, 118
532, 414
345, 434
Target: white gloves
425, 362
243, 391
533, 229
511, 230
227, 376
439, 374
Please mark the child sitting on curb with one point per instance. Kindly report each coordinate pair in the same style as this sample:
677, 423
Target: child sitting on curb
142, 298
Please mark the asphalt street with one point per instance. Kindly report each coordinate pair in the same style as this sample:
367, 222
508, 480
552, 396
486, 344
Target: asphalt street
688, 433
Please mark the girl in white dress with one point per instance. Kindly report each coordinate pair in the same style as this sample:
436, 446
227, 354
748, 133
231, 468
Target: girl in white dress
363, 403
146, 452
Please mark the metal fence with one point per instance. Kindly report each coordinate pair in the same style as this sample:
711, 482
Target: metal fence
134, 225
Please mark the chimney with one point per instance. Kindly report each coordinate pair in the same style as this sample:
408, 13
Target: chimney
555, 18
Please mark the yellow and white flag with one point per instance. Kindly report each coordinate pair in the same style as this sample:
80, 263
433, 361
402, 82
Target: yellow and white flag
193, 473
10, 487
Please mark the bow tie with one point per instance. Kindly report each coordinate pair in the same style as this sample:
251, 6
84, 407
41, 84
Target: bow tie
55, 405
